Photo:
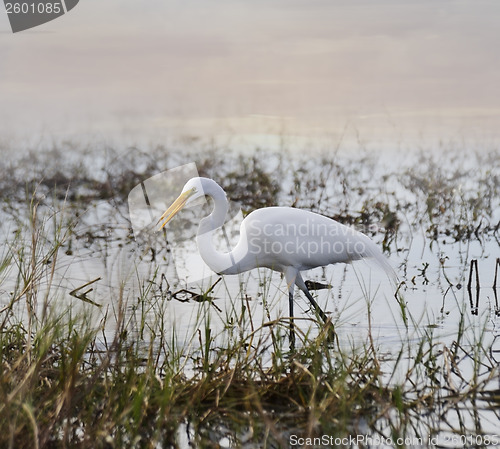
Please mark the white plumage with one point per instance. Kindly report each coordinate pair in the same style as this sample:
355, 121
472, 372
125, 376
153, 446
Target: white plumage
283, 239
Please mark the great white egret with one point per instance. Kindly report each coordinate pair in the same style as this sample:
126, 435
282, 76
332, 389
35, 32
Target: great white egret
283, 239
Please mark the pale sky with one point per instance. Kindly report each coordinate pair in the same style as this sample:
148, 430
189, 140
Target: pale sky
391, 68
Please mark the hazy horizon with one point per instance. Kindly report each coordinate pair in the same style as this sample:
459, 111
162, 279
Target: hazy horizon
385, 69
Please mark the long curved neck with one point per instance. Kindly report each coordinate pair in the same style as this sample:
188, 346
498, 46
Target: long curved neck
219, 262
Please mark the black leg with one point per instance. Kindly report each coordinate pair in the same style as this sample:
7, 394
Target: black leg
292, 325
297, 279
331, 334
315, 305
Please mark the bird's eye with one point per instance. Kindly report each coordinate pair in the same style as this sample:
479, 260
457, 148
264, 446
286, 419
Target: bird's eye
193, 190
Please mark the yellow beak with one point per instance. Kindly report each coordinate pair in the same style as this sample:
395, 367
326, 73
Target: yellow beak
176, 206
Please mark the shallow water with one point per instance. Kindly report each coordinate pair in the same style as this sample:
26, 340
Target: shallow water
144, 275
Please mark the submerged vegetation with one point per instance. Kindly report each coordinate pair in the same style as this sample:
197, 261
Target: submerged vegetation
98, 368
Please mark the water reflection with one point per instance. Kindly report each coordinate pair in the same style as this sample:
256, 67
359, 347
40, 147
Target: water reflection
443, 360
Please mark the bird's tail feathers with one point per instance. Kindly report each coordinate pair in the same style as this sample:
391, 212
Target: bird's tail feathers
372, 251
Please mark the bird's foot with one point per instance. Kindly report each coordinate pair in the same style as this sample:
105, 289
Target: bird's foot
313, 285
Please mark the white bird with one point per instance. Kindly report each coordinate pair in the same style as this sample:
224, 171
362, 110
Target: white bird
283, 239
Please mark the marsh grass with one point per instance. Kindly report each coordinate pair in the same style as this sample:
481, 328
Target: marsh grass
66, 380
72, 390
